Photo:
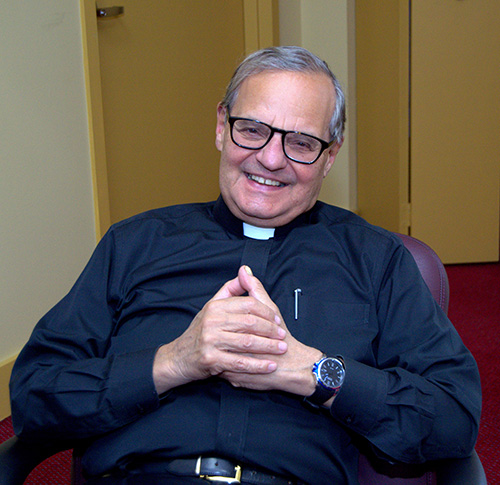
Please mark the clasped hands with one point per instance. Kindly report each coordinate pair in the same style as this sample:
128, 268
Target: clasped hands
240, 336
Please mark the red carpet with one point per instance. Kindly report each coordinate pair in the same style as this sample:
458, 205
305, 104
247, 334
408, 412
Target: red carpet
53, 471
475, 311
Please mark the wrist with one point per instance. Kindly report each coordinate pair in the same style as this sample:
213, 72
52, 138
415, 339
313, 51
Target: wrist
312, 381
166, 375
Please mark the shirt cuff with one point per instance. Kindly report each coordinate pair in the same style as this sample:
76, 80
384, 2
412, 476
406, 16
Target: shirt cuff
133, 389
360, 401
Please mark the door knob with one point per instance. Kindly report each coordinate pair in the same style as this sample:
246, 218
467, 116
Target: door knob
109, 12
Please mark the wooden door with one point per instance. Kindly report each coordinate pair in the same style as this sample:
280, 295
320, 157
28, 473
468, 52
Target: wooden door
155, 75
428, 113
455, 127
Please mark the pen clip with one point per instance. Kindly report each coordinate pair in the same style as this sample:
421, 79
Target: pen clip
297, 292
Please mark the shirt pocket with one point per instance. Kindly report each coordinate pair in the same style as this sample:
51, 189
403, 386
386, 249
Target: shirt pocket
331, 326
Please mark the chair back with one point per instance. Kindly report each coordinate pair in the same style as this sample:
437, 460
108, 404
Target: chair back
431, 268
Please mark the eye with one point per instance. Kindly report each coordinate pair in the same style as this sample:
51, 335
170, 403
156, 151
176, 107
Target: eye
301, 143
251, 129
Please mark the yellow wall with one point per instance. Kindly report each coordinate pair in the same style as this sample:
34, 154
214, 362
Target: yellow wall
327, 29
47, 229
382, 101
5, 371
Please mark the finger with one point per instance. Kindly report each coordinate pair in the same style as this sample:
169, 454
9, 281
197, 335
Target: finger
256, 289
248, 343
240, 315
234, 287
245, 282
240, 364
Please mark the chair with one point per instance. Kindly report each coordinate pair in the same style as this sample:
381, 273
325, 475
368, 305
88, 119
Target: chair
18, 458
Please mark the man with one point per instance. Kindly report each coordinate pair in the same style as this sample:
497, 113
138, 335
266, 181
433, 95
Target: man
201, 330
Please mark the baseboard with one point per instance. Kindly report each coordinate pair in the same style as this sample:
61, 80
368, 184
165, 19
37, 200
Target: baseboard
5, 371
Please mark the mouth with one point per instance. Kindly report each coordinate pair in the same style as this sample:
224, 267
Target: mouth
264, 181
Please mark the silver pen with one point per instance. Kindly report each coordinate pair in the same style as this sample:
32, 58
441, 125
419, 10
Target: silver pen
297, 293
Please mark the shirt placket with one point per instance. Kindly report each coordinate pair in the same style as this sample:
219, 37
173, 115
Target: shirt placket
234, 402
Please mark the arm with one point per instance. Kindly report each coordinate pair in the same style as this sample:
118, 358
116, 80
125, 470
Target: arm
64, 385
420, 398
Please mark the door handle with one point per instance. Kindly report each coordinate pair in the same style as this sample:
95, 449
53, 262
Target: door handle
110, 12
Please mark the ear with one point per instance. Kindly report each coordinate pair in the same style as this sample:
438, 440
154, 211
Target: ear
221, 127
332, 154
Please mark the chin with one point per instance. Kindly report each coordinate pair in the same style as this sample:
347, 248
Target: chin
267, 220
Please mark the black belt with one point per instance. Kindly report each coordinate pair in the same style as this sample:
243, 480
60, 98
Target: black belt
217, 470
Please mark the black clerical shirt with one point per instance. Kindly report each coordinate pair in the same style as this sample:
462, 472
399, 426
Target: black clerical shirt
342, 285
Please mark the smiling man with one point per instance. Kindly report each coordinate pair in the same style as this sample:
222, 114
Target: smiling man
260, 338
264, 186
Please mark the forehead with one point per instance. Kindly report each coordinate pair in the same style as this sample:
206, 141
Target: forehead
289, 100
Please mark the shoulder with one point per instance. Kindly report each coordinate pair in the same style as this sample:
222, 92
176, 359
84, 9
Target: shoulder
174, 218
344, 224
362, 245
159, 231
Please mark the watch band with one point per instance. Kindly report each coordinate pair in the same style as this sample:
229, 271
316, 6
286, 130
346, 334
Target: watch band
321, 395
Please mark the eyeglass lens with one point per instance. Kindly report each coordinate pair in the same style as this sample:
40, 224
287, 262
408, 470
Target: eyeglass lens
254, 135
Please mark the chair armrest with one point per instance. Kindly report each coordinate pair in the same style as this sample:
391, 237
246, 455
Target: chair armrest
463, 471
18, 459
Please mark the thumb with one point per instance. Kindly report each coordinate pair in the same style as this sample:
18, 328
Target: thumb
255, 288
229, 289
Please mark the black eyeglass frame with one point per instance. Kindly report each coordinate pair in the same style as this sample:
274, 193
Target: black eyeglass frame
324, 144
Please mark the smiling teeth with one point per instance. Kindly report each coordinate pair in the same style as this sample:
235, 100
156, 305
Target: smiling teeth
262, 180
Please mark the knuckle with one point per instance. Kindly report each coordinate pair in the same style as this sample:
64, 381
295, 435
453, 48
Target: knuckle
250, 304
207, 360
240, 365
246, 342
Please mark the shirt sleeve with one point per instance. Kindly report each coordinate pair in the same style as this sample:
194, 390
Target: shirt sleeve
421, 399
65, 385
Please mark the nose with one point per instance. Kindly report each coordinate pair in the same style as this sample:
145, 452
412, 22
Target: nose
272, 155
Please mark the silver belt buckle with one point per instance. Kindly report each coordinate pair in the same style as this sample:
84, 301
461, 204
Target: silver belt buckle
235, 479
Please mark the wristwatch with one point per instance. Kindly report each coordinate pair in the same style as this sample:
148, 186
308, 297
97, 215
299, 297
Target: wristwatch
330, 374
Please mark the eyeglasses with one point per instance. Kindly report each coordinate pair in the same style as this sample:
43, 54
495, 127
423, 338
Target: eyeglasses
297, 146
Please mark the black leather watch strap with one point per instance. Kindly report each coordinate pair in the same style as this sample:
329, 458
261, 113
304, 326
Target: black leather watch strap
321, 395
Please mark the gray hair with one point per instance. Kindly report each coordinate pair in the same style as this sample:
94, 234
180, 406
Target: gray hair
294, 59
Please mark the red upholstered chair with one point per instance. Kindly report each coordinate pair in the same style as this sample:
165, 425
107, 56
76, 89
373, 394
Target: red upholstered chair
17, 458
431, 268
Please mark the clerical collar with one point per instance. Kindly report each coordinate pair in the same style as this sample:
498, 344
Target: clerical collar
234, 225
254, 232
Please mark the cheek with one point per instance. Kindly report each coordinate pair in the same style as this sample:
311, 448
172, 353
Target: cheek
310, 181
232, 156
307, 190
229, 167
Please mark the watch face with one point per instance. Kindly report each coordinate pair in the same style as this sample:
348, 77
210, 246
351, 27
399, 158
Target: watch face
331, 373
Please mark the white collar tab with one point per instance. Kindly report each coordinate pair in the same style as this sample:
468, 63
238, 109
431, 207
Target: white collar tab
255, 232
